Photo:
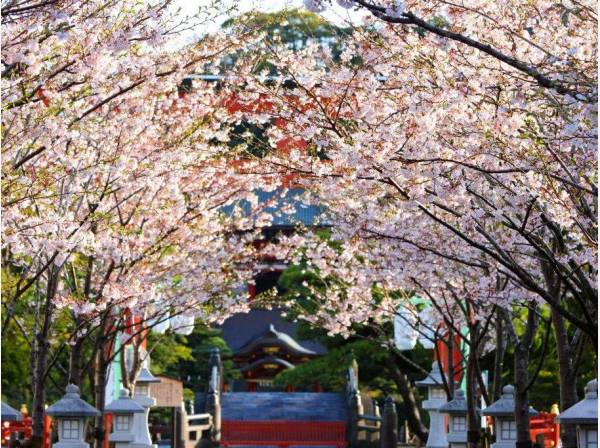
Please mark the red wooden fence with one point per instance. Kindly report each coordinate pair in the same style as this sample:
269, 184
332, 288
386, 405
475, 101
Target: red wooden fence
544, 425
283, 433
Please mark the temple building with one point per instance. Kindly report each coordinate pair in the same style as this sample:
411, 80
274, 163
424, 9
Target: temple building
263, 345
263, 342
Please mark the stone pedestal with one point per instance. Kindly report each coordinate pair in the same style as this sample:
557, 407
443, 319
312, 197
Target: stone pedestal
436, 399
142, 438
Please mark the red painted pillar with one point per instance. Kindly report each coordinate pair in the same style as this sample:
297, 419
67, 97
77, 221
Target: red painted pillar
107, 428
441, 353
47, 434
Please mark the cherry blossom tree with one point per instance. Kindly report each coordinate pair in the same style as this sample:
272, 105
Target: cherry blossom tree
451, 135
113, 181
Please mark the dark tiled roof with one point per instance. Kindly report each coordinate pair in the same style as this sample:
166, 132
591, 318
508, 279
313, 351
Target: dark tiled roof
273, 337
243, 328
267, 360
305, 214
304, 406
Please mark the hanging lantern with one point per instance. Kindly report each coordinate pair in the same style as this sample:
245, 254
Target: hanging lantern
405, 332
427, 328
160, 324
182, 324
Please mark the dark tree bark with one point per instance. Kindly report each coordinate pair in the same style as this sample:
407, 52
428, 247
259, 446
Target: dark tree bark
521, 372
41, 359
413, 414
473, 422
568, 379
498, 358
76, 362
100, 392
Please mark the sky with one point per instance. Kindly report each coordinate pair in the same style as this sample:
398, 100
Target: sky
334, 13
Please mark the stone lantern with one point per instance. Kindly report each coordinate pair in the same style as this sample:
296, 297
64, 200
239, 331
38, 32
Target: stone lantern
457, 410
71, 413
584, 414
123, 410
142, 397
505, 425
10, 414
436, 399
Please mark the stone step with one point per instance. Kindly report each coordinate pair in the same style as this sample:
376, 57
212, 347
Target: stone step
303, 406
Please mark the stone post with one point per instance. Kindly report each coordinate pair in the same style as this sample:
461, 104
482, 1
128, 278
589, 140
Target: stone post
213, 400
389, 426
355, 406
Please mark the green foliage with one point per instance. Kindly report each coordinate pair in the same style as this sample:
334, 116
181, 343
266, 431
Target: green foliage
16, 385
186, 357
294, 27
330, 370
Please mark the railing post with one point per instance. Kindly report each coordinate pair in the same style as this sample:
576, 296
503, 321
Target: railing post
389, 427
214, 393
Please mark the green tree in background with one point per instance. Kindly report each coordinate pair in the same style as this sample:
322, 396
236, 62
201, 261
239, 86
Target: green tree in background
186, 357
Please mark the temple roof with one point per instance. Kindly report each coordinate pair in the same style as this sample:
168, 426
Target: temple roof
286, 207
242, 329
277, 338
267, 360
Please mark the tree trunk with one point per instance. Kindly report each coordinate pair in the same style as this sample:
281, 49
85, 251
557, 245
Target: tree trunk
413, 415
498, 358
104, 354
568, 383
41, 361
521, 373
100, 393
75, 362
522, 397
450, 361
473, 422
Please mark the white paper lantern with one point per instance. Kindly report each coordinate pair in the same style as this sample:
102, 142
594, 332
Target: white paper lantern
405, 332
160, 324
427, 328
182, 324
